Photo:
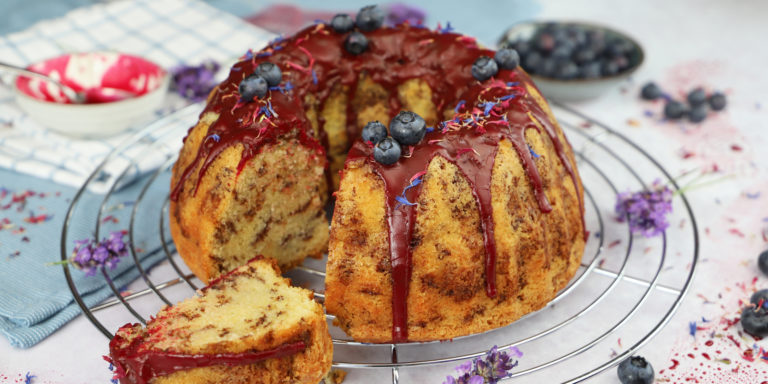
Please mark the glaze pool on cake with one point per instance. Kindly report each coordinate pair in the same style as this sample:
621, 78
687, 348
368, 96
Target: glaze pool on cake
474, 226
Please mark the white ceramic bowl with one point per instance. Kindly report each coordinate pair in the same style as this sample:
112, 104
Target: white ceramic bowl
48, 106
576, 89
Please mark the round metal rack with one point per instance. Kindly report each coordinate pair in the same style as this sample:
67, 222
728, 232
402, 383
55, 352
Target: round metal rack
627, 288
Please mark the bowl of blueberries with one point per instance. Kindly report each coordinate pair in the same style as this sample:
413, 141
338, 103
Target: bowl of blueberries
573, 61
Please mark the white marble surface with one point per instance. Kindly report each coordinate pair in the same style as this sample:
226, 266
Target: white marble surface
688, 43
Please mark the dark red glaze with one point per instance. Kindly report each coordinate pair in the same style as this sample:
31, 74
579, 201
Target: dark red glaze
314, 61
137, 365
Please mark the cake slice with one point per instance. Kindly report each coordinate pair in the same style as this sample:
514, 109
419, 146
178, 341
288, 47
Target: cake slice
248, 326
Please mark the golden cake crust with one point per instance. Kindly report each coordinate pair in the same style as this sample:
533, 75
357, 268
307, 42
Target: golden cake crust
224, 218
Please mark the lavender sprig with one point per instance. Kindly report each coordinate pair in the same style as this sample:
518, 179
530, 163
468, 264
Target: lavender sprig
195, 82
488, 369
646, 210
89, 256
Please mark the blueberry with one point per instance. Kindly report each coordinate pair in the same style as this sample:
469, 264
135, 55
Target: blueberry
387, 151
270, 72
595, 36
252, 87
697, 97
621, 62
507, 58
342, 23
590, 70
760, 295
408, 128
762, 262
356, 43
717, 103
567, 70
674, 109
618, 47
532, 62
374, 132
610, 68
584, 55
370, 18
650, 91
561, 36
548, 67
484, 68
596, 40
545, 42
755, 321
522, 47
576, 34
635, 370
698, 113
562, 51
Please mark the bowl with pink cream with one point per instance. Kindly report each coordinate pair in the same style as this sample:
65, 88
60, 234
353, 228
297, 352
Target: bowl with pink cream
117, 91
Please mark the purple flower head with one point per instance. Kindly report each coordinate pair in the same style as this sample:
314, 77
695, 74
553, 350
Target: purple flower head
194, 83
490, 368
115, 242
646, 210
476, 380
100, 254
399, 13
499, 363
464, 368
89, 256
82, 254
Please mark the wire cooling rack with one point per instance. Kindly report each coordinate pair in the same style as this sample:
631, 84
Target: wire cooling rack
627, 287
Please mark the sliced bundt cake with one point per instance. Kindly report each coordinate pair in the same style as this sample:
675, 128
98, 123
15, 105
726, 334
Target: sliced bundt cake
458, 211
248, 326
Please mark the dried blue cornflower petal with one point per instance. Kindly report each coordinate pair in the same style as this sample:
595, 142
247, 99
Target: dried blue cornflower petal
646, 210
195, 82
447, 29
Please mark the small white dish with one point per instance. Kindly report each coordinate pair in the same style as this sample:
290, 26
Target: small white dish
99, 74
576, 89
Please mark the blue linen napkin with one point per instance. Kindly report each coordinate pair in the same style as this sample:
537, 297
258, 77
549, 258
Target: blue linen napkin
35, 299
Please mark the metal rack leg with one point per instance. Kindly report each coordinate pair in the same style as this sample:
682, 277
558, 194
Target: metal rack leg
395, 370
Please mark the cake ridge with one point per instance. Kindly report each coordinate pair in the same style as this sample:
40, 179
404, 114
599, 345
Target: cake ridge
489, 129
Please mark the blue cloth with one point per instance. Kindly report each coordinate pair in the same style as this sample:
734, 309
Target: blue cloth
35, 299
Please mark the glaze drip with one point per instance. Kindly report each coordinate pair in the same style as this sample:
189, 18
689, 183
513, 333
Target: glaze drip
314, 61
135, 366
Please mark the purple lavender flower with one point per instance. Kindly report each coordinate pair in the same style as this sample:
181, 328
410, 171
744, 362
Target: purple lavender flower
194, 83
399, 13
88, 256
646, 210
490, 368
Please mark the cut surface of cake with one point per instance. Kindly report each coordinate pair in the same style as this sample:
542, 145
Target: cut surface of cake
474, 223
248, 326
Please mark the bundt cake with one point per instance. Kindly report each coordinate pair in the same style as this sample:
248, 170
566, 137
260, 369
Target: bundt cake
248, 326
464, 215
